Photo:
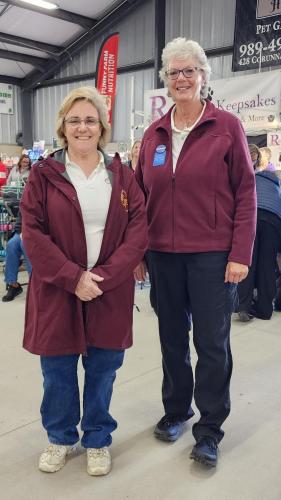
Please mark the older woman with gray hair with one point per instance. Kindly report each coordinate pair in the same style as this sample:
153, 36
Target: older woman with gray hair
196, 173
84, 230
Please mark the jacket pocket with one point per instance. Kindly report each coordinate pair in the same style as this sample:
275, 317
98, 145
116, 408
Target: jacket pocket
213, 211
213, 182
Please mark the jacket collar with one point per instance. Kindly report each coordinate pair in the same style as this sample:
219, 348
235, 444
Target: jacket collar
56, 161
210, 114
59, 156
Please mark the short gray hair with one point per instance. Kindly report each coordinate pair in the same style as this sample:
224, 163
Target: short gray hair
181, 48
89, 94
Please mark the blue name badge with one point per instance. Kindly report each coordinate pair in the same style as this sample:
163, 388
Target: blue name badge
159, 156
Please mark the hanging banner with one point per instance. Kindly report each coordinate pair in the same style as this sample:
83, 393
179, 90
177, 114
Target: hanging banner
254, 99
106, 72
6, 99
257, 35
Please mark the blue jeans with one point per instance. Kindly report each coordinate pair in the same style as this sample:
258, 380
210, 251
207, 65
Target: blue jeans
60, 408
14, 252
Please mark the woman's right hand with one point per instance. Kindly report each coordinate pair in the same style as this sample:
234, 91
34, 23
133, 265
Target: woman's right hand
87, 287
140, 271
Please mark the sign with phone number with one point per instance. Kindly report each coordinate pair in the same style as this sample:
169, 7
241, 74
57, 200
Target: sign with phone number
257, 39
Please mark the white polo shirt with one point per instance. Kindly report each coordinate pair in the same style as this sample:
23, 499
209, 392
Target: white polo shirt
94, 193
179, 136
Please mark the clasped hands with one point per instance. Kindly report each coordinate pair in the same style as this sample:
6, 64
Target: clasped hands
87, 287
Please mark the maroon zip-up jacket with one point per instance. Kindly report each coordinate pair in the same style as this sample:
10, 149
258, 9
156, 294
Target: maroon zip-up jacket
209, 203
57, 322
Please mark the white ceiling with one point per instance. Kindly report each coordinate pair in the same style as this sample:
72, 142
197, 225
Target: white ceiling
94, 8
28, 24
14, 68
35, 26
22, 50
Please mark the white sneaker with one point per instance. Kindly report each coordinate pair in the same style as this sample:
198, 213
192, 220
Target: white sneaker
53, 457
98, 461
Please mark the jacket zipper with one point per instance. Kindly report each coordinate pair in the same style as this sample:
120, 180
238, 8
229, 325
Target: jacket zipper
73, 198
173, 210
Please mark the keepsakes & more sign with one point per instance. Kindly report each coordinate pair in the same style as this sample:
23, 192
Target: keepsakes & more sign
257, 36
254, 99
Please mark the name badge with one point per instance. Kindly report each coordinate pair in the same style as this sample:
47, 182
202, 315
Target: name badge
159, 156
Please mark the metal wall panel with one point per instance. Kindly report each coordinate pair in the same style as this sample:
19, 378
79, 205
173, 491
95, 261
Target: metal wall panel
209, 22
10, 125
130, 89
128, 118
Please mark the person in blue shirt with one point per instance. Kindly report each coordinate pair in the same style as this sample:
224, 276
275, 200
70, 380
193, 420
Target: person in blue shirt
262, 273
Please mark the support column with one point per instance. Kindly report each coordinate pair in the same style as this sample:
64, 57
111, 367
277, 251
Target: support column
27, 118
160, 29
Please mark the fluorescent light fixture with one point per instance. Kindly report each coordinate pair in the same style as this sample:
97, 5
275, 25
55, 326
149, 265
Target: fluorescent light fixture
41, 3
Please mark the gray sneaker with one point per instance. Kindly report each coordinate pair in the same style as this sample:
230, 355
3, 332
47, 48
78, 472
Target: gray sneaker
98, 461
53, 457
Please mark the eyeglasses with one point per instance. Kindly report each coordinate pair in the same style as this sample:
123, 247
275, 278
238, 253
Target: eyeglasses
173, 74
90, 121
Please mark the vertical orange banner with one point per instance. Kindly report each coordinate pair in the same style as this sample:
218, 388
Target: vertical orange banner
106, 73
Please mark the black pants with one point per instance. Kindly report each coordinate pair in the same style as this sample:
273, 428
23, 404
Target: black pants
262, 273
193, 284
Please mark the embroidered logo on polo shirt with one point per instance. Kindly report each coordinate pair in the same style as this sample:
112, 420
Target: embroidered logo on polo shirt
124, 200
159, 156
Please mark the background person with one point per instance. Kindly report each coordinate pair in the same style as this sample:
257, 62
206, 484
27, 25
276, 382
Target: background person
134, 155
14, 253
255, 155
20, 172
266, 159
3, 175
84, 229
196, 173
262, 272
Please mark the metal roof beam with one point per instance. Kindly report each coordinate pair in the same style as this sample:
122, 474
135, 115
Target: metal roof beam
38, 62
52, 50
5, 8
65, 15
91, 76
219, 51
11, 80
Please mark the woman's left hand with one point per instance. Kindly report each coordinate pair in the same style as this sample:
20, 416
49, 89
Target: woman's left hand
235, 272
87, 287
140, 271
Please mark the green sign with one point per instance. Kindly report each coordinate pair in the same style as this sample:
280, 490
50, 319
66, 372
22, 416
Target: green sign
6, 99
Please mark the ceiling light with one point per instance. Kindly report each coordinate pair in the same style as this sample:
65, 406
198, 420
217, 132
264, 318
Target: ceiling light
41, 3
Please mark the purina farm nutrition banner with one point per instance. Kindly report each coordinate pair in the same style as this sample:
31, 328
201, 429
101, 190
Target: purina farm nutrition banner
106, 73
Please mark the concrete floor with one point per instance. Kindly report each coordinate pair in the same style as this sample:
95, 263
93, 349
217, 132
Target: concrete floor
144, 468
